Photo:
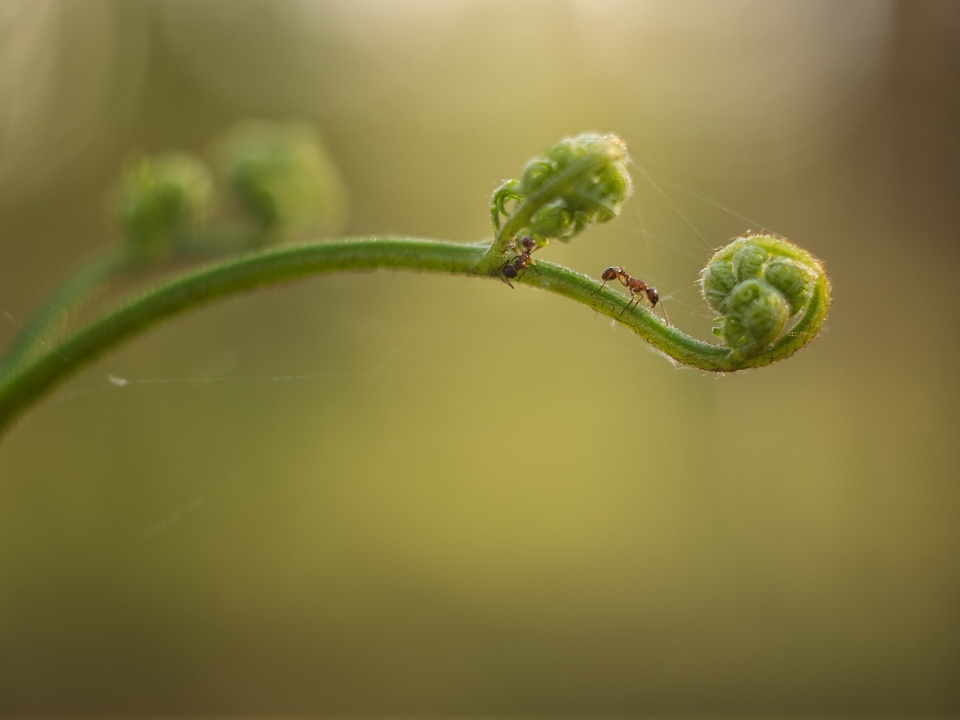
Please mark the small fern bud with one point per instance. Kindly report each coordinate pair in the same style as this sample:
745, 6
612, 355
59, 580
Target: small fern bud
282, 177
579, 181
758, 285
162, 200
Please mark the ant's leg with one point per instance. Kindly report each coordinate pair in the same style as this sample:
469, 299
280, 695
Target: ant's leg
595, 292
634, 300
664, 311
602, 286
504, 277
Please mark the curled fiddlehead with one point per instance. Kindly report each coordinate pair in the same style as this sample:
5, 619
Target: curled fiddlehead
579, 181
771, 297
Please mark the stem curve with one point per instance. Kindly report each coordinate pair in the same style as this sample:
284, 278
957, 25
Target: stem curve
73, 294
26, 385
29, 383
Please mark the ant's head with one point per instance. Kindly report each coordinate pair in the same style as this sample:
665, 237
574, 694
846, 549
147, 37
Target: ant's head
610, 273
528, 243
509, 271
653, 296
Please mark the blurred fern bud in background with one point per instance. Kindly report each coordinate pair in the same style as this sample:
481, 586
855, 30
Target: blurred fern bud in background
163, 200
579, 181
281, 176
758, 284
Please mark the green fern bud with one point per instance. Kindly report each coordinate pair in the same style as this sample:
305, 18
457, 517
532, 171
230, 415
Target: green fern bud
162, 200
579, 181
757, 285
282, 177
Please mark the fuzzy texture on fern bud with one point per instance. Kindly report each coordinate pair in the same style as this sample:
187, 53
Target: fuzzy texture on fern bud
758, 285
579, 181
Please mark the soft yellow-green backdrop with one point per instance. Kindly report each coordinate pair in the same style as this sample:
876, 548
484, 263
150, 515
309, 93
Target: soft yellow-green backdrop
399, 494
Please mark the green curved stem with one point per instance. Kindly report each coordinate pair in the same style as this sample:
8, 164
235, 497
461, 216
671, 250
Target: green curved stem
80, 289
28, 383
95, 277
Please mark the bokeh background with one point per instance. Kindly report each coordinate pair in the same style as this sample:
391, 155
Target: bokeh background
391, 494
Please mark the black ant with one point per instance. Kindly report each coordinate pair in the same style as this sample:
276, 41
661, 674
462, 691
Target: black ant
638, 289
511, 269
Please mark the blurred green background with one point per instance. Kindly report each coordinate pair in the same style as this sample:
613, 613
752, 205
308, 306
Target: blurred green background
395, 494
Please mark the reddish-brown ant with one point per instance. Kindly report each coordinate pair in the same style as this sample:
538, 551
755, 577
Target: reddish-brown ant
638, 289
512, 269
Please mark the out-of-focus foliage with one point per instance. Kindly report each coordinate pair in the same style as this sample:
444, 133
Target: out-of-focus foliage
281, 176
163, 200
295, 503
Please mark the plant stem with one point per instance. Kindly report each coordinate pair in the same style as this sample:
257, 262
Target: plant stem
76, 292
31, 380
28, 383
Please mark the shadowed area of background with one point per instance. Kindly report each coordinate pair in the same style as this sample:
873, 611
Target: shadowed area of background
399, 494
